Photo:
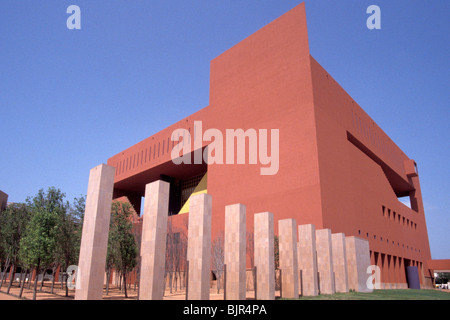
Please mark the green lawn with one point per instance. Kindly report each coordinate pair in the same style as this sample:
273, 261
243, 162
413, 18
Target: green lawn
393, 294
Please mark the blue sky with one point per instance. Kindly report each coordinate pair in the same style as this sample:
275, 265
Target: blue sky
70, 99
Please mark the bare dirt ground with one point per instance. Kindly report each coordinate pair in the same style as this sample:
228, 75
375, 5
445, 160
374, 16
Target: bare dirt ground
114, 293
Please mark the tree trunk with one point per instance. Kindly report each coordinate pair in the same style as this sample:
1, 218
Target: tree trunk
42, 281
218, 276
23, 283
11, 278
165, 282
108, 274
36, 281
175, 276
4, 271
53, 279
20, 277
30, 279
66, 279
125, 284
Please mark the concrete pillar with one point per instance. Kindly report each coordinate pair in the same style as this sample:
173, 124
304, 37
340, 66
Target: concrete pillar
339, 262
325, 261
153, 241
287, 244
264, 256
235, 251
358, 260
94, 240
307, 260
199, 246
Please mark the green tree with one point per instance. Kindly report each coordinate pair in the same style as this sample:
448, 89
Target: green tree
13, 222
52, 200
442, 277
38, 245
69, 237
121, 243
218, 257
109, 266
276, 253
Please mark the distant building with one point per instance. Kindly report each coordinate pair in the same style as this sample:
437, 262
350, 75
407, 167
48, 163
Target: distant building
337, 168
3, 200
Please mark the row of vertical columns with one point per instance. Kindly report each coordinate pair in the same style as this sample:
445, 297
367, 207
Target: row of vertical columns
154, 233
331, 263
327, 262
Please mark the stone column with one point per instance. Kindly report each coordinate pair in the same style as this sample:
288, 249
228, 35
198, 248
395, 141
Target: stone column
94, 240
307, 260
264, 256
199, 246
325, 261
235, 250
153, 243
339, 262
287, 242
358, 260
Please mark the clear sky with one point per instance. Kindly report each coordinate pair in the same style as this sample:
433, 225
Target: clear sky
70, 99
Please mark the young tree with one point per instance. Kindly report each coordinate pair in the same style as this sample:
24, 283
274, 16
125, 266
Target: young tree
176, 250
38, 245
69, 237
218, 257
122, 243
250, 248
277, 262
109, 266
276, 253
442, 277
13, 222
170, 255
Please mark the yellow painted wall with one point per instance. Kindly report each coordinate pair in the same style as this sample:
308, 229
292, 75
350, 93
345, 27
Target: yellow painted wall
201, 188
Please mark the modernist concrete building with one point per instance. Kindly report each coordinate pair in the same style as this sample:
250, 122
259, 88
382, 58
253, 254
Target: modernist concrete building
336, 167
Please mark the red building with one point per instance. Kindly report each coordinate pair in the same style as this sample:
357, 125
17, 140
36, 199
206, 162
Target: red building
336, 167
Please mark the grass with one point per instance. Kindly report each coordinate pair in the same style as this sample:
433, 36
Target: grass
391, 294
